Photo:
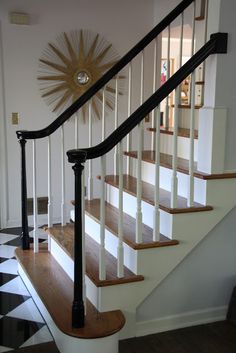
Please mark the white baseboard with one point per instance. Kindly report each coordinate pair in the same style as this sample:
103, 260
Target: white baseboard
12, 223
187, 319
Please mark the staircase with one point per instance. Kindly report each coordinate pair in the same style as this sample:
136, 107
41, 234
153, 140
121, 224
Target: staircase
154, 206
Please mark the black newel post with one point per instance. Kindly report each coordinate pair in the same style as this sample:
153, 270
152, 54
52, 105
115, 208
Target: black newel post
78, 157
24, 216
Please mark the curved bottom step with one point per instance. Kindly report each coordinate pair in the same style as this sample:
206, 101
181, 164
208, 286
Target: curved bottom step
52, 291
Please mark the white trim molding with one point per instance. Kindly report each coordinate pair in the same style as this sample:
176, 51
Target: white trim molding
187, 319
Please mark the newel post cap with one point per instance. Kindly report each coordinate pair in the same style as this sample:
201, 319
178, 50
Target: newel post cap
76, 156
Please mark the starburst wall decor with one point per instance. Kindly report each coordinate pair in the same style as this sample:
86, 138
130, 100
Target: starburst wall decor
72, 65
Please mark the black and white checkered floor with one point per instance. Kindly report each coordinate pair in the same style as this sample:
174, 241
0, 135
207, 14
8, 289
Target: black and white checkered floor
21, 324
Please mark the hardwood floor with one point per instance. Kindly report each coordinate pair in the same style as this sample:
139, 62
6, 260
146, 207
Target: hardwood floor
219, 337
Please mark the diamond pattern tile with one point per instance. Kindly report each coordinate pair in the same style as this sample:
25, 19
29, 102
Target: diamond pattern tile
21, 323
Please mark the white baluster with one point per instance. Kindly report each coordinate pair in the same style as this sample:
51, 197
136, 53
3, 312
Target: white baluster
103, 113
35, 205
102, 264
192, 123
174, 180
166, 120
120, 249
102, 260
154, 85
50, 205
156, 220
205, 39
76, 130
193, 29
139, 215
129, 136
90, 164
191, 141
115, 127
63, 211
83, 237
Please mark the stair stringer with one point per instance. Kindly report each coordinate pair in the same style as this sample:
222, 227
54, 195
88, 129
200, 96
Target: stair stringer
153, 264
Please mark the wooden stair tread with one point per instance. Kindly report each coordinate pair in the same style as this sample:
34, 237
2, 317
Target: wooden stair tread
200, 18
170, 131
187, 106
201, 83
55, 289
64, 235
130, 186
182, 165
92, 208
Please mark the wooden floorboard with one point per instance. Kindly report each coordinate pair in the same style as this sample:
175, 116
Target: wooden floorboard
219, 337
55, 289
170, 131
182, 165
92, 208
64, 236
130, 186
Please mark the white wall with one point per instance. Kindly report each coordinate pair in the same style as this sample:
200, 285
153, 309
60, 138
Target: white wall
226, 78
221, 74
122, 23
3, 156
204, 280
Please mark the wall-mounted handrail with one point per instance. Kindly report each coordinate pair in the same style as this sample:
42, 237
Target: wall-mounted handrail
216, 44
23, 134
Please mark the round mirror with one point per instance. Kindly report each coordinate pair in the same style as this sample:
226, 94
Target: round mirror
82, 78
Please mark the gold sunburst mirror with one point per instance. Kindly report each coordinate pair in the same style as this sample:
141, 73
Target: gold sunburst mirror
74, 63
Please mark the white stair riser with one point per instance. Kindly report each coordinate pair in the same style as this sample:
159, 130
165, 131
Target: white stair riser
130, 205
166, 146
97, 294
148, 175
66, 262
92, 228
184, 118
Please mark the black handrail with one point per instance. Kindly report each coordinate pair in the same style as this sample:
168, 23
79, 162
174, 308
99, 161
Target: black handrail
216, 45
23, 134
